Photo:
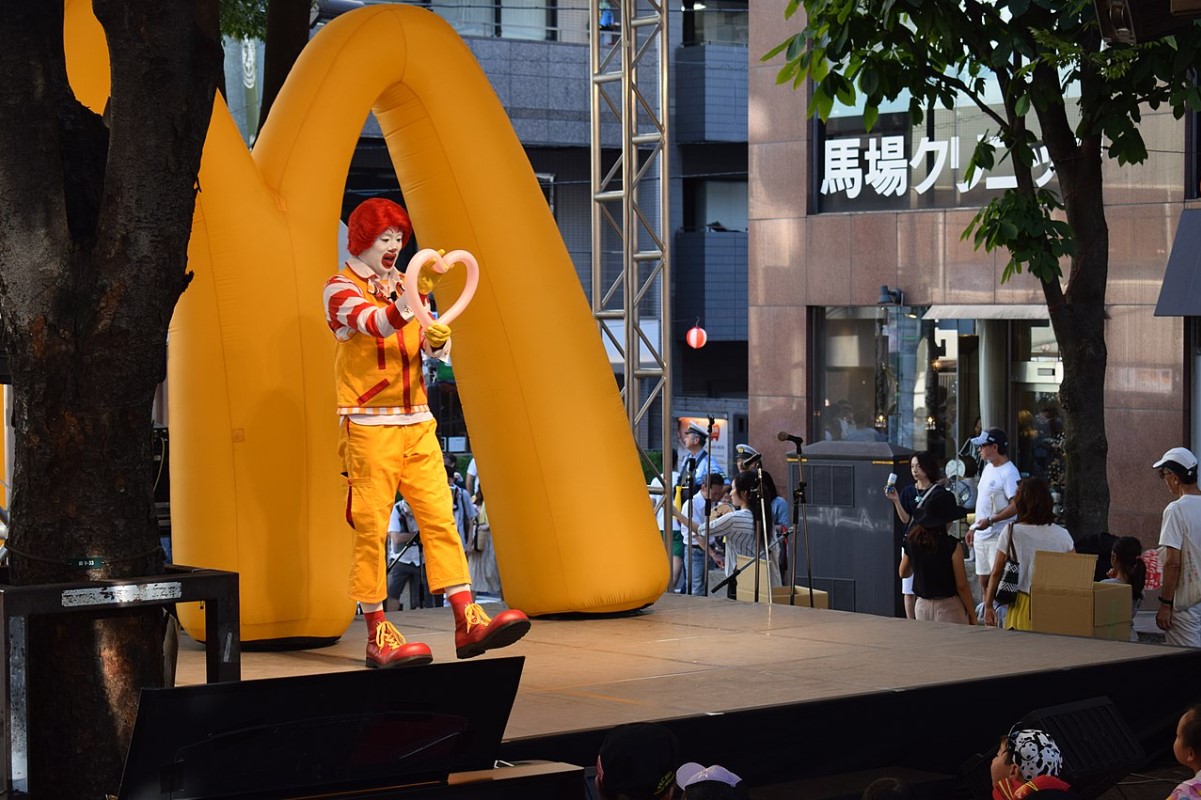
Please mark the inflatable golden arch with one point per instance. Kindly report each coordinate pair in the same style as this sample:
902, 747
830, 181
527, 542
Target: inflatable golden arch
255, 483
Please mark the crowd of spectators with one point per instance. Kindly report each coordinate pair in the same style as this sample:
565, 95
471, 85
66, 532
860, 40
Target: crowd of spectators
407, 587
642, 761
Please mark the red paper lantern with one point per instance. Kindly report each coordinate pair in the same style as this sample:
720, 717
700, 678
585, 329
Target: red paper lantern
696, 337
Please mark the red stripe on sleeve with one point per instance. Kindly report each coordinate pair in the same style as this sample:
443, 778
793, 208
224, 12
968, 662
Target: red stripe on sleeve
395, 318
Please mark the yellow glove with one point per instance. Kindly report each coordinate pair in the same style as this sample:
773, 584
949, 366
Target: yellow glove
437, 335
427, 279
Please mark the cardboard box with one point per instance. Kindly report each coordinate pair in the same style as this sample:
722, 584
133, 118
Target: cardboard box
779, 594
1064, 598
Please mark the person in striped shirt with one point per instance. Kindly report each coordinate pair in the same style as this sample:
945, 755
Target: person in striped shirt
388, 439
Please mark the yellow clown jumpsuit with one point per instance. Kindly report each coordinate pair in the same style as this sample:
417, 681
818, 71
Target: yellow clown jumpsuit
378, 372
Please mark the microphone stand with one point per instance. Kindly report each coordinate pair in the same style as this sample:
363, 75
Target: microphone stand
739, 570
396, 558
708, 504
690, 472
761, 527
800, 523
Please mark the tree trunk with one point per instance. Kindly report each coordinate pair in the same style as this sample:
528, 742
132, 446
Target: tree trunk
1078, 316
95, 218
1080, 330
1078, 311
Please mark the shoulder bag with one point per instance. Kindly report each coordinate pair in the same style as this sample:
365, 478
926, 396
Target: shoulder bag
1007, 589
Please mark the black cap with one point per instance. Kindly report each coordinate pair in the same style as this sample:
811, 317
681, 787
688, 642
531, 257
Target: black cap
638, 760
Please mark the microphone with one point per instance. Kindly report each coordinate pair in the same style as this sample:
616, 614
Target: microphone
788, 437
687, 476
752, 460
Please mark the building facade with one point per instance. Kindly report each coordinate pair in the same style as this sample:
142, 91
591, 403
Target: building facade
535, 55
869, 316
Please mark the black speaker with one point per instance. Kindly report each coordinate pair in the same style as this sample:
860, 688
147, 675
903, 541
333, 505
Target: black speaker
1097, 746
339, 734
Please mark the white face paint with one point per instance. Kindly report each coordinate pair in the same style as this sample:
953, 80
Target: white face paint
381, 255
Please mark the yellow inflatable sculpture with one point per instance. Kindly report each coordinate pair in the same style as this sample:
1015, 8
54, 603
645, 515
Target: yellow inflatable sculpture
255, 483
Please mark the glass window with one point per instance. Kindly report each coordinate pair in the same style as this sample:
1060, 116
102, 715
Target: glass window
1037, 447
715, 22
524, 19
1035, 341
467, 17
885, 374
716, 205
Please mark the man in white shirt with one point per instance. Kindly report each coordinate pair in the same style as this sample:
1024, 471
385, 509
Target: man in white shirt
1179, 547
995, 493
473, 479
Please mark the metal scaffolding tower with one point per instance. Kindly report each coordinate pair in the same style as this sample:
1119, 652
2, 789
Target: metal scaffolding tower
631, 287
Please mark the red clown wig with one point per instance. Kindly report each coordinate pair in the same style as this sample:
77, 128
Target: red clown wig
370, 219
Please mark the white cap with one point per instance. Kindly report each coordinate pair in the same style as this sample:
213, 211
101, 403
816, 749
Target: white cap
746, 450
693, 772
1180, 460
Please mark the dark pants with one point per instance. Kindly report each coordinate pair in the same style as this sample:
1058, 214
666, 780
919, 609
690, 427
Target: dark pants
412, 576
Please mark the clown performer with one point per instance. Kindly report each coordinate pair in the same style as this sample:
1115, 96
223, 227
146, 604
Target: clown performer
388, 441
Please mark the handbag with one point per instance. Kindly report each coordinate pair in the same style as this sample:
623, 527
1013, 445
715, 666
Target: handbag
1007, 589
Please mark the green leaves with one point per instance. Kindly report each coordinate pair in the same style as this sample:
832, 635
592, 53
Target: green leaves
821, 102
869, 80
244, 19
870, 116
1026, 226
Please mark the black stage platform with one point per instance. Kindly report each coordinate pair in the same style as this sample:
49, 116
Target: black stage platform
779, 694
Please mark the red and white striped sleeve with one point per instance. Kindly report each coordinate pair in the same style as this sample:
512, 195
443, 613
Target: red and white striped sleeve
348, 312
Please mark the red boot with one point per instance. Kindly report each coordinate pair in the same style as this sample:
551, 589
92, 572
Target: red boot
476, 632
387, 648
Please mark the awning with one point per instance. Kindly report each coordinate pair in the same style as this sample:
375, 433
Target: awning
987, 312
1180, 294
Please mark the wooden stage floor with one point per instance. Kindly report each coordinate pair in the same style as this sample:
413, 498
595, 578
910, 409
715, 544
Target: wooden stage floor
687, 657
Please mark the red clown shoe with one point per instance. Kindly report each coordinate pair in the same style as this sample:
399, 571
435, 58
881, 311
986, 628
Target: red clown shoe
387, 648
476, 632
